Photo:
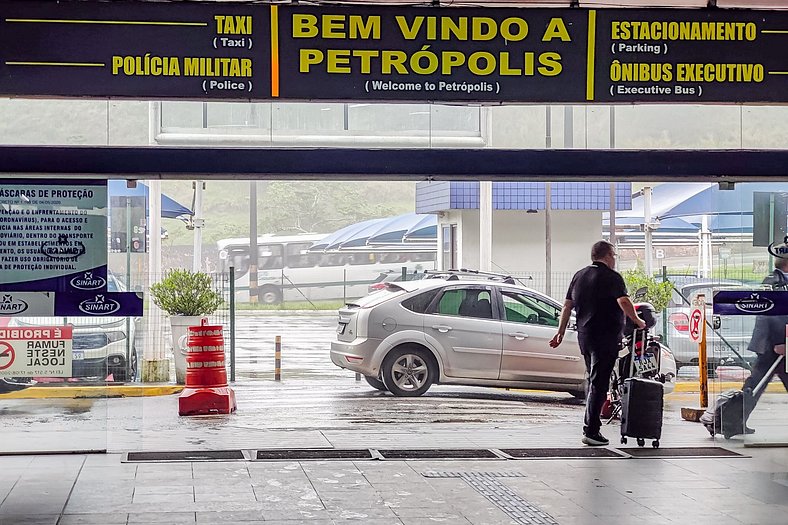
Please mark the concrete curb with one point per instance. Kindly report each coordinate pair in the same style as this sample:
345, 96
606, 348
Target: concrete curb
694, 386
92, 392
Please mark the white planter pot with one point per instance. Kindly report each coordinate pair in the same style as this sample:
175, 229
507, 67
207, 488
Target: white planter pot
180, 327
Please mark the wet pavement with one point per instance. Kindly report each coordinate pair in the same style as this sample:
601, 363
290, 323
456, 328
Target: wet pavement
301, 414
318, 406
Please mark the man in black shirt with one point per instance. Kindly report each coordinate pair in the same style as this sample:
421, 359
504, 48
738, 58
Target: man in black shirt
599, 297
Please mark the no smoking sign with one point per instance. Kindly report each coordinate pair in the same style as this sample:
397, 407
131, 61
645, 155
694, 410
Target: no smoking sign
6, 355
697, 318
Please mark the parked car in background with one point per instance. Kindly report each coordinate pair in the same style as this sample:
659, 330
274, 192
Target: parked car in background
723, 343
462, 331
98, 346
99, 343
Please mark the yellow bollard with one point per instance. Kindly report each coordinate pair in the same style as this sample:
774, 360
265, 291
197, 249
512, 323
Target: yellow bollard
703, 368
278, 358
697, 328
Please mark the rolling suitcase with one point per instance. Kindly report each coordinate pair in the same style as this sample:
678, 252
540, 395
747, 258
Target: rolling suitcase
727, 415
641, 407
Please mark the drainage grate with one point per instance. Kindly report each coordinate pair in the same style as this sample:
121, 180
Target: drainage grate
681, 452
444, 453
329, 453
202, 455
562, 453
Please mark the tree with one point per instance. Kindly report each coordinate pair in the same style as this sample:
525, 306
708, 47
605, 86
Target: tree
658, 293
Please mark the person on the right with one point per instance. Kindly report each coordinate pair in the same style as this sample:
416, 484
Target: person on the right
768, 341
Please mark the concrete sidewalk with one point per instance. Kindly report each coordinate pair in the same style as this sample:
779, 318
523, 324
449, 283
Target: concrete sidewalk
103, 489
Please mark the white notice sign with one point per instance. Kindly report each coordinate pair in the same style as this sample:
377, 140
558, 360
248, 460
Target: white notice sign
43, 351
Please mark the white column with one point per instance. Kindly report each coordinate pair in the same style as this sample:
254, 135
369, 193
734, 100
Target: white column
153, 348
705, 247
154, 351
485, 226
647, 231
197, 221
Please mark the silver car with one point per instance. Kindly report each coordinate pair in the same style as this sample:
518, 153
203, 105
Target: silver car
727, 335
412, 334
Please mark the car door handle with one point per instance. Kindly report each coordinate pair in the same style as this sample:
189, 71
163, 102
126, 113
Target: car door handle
519, 335
442, 328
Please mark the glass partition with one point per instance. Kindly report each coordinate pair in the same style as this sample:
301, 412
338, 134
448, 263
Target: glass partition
749, 337
315, 124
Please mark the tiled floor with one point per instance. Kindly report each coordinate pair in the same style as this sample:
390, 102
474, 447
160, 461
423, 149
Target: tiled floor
100, 489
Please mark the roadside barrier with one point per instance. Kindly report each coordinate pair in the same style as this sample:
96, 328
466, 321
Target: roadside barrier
278, 358
207, 391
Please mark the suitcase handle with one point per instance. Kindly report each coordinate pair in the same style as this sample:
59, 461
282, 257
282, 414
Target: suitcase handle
760, 386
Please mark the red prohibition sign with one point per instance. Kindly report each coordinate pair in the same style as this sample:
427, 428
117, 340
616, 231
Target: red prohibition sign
695, 324
6, 352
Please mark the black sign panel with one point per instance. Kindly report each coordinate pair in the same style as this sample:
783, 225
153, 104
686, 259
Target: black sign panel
697, 56
134, 49
237, 51
491, 55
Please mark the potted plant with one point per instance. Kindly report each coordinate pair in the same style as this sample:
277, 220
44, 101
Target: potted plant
186, 297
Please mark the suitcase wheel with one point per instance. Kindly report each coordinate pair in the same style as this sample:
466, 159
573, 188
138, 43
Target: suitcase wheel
623, 440
655, 443
641, 442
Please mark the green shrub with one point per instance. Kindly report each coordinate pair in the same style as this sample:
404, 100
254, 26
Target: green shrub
657, 292
182, 292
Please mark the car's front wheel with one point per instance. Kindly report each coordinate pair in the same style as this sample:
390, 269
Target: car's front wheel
376, 383
408, 371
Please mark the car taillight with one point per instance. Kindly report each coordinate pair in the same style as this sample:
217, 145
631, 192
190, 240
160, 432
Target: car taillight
377, 286
679, 321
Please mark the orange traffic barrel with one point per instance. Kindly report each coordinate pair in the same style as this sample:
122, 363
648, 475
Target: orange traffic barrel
205, 365
206, 389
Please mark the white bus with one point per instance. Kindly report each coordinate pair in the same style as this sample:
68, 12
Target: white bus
287, 271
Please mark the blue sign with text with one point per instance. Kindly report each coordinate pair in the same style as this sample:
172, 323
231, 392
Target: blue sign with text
751, 302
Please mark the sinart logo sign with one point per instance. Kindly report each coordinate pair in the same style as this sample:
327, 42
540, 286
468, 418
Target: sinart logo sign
754, 304
11, 306
63, 249
779, 249
88, 282
100, 305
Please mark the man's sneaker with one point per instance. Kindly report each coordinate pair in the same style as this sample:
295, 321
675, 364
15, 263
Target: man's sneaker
595, 440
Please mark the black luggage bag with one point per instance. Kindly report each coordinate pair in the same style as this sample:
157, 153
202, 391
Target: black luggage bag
641, 410
727, 415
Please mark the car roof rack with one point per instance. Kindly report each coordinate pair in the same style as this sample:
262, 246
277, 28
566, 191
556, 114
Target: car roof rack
460, 273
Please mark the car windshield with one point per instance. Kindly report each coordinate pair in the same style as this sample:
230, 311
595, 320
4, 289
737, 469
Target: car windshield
88, 341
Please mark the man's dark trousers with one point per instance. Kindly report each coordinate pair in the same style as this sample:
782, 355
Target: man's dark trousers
759, 371
600, 353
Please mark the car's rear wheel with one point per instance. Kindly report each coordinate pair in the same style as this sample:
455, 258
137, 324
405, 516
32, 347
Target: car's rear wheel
408, 371
376, 383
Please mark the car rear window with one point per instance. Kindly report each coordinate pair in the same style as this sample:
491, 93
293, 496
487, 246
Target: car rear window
419, 303
381, 296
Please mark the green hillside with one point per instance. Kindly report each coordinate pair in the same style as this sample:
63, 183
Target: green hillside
286, 207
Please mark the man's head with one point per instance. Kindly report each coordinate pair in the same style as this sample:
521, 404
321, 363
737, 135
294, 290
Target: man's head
604, 252
781, 264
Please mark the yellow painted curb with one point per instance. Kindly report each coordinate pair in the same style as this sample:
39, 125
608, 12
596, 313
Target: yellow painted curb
694, 386
82, 392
